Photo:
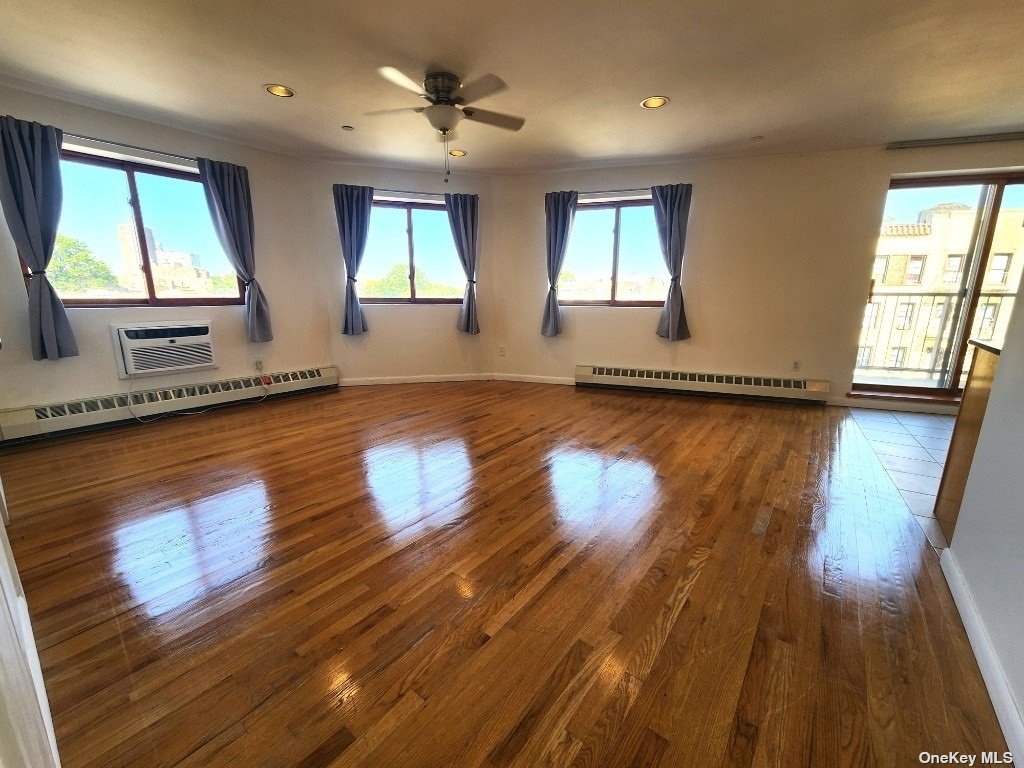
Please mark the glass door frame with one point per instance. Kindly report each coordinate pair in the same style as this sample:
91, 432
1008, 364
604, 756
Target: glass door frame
974, 271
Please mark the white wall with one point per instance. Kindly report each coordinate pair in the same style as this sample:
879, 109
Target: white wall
778, 262
988, 545
779, 256
299, 265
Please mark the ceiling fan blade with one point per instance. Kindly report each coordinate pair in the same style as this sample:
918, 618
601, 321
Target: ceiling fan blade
392, 111
402, 80
480, 88
498, 120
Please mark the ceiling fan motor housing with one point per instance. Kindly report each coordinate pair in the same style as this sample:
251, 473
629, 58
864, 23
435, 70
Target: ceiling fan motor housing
441, 86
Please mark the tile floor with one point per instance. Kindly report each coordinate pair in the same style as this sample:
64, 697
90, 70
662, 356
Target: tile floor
912, 448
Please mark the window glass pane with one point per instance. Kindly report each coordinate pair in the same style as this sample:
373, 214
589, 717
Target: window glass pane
438, 272
96, 255
1002, 281
384, 271
642, 274
920, 263
587, 269
185, 256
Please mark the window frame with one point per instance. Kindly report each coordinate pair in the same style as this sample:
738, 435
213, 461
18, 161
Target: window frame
906, 321
958, 274
907, 275
409, 207
1004, 272
130, 167
617, 205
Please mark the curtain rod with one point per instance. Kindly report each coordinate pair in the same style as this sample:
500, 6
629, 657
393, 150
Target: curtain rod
617, 191
404, 192
128, 146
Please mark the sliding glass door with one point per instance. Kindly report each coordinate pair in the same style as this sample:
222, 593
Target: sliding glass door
947, 268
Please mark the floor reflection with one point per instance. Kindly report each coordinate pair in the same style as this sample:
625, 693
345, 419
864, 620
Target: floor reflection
170, 558
588, 483
408, 479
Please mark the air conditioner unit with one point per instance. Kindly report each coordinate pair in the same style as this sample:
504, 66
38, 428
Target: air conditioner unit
155, 349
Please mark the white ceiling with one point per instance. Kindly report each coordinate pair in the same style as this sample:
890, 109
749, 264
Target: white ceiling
805, 74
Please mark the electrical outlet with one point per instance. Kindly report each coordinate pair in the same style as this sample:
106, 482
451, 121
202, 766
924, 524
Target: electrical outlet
796, 365
259, 365
501, 350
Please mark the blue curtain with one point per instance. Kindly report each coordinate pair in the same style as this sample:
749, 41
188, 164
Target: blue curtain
559, 210
671, 211
31, 196
353, 205
230, 203
463, 216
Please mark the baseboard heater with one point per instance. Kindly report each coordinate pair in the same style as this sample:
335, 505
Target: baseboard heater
703, 383
93, 411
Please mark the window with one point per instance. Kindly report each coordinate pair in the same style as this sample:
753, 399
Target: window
915, 268
896, 357
871, 315
614, 257
998, 268
904, 316
879, 269
99, 259
410, 256
954, 269
864, 356
987, 314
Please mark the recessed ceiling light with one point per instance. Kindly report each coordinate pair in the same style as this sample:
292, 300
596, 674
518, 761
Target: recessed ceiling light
276, 89
654, 102
457, 152
348, 128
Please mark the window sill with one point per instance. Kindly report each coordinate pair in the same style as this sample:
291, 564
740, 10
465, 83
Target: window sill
408, 301
611, 303
75, 304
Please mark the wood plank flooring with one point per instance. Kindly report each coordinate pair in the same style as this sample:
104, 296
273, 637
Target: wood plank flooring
488, 574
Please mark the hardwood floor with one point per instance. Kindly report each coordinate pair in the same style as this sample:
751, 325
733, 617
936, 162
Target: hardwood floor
488, 574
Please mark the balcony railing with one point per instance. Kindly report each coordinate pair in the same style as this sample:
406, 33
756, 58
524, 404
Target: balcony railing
906, 337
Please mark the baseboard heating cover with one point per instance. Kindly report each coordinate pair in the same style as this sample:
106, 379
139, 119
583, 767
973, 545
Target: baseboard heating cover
74, 414
707, 383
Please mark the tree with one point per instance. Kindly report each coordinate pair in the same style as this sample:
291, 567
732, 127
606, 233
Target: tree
226, 285
74, 269
394, 285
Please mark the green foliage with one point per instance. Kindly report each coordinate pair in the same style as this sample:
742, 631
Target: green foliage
75, 270
395, 285
224, 285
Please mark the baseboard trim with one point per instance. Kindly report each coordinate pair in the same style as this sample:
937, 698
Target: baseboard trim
533, 379
1009, 714
425, 379
435, 378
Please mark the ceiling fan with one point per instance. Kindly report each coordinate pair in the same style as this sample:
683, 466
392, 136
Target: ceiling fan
450, 100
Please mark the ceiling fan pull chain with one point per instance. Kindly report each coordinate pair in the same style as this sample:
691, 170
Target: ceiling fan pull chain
447, 169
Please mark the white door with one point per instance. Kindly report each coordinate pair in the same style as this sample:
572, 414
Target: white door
26, 731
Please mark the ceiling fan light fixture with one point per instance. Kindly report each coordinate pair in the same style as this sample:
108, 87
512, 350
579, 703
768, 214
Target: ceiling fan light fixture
457, 152
443, 117
276, 89
654, 102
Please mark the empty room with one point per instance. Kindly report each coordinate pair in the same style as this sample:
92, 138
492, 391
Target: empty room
442, 385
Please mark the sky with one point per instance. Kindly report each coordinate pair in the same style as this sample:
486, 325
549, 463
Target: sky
96, 202
434, 249
902, 206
